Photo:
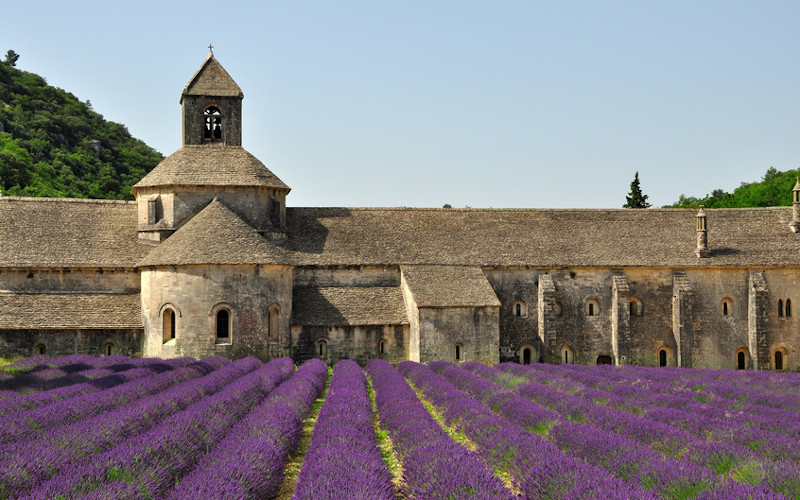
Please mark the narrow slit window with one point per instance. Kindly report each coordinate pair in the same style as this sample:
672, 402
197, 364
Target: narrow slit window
223, 324
780, 308
788, 308
273, 322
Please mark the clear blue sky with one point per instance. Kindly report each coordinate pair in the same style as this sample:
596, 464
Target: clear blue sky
421, 103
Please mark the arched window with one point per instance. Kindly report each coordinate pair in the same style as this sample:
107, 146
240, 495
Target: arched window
780, 308
39, 349
520, 309
662, 357
382, 347
322, 348
592, 307
108, 350
788, 308
635, 306
274, 314
727, 306
168, 324
567, 355
459, 352
223, 326
778, 360
212, 123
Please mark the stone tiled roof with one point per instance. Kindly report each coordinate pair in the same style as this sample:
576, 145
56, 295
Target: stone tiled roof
341, 306
540, 238
58, 232
449, 286
45, 232
211, 79
69, 311
211, 165
216, 236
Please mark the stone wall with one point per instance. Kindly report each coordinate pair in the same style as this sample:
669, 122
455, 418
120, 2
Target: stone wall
474, 329
359, 343
178, 204
716, 336
195, 293
64, 342
347, 276
563, 319
784, 331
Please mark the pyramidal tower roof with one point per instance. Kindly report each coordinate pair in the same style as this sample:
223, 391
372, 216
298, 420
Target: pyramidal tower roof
216, 236
211, 79
214, 162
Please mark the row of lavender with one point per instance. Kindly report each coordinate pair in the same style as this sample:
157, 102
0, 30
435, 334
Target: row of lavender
530, 432
234, 423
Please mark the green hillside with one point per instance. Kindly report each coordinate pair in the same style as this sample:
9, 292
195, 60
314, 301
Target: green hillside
52, 144
775, 189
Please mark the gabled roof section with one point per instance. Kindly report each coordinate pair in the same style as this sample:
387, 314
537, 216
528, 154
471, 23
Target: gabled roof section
344, 306
449, 286
63, 232
541, 238
211, 79
216, 236
70, 311
211, 165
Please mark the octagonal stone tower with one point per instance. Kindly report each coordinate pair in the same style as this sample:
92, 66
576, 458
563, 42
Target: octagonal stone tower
210, 164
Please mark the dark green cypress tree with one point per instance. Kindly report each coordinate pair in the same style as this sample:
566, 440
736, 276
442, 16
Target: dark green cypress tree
635, 198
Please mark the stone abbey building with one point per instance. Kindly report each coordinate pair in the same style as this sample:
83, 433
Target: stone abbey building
209, 260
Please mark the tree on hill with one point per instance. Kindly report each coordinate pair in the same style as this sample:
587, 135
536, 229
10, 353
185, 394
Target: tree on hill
52, 144
636, 199
774, 190
11, 58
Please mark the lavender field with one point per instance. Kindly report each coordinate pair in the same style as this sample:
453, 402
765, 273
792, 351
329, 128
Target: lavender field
123, 428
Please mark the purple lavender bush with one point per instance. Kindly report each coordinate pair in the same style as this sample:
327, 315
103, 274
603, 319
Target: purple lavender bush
248, 463
154, 460
343, 456
434, 466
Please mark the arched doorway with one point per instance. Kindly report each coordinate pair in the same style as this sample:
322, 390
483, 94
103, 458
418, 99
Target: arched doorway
662, 357
528, 355
778, 360
604, 359
567, 355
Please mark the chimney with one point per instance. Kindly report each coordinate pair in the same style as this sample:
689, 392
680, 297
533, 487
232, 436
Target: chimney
795, 225
702, 234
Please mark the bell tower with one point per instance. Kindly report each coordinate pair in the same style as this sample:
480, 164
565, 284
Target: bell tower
211, 105
211, 163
